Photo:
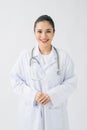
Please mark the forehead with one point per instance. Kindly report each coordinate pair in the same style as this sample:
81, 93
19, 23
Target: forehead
44, 25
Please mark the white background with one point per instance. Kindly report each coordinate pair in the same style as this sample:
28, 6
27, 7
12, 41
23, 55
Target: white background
16, 33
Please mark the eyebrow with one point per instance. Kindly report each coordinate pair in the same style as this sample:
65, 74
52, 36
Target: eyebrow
41, 29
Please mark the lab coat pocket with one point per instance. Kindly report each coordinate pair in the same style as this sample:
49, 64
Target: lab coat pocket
57, 115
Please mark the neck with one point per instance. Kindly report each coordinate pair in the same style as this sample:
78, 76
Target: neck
45, 50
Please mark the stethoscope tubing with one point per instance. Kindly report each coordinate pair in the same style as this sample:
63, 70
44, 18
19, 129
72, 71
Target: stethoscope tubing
58, 64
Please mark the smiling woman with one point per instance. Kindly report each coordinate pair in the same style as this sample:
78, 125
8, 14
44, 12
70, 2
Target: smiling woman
46, 84
44, 31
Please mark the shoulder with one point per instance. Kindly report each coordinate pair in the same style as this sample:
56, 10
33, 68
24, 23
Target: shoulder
64, 56
23, 57
63, 53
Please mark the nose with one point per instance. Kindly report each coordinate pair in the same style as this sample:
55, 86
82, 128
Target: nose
43, 36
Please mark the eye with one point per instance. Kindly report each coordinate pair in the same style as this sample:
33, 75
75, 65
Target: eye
48, 31
39, 31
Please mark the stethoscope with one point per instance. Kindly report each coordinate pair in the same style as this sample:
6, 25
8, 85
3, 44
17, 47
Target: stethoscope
57, 54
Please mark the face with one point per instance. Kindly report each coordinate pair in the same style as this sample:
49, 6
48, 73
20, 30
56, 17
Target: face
44, 33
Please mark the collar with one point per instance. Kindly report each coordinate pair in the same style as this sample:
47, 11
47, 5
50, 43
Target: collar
37, 53
52, 57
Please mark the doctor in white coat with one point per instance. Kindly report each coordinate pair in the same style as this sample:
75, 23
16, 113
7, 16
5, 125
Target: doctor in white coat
44, 78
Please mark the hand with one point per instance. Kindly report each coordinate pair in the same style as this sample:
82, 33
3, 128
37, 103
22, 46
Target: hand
42, 98
38, 96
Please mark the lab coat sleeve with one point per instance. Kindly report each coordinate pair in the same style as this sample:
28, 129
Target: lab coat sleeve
18, 81
60, 93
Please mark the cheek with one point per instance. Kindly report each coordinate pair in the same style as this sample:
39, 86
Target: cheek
51, 37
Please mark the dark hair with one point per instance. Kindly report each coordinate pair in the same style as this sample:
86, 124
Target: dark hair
45, 18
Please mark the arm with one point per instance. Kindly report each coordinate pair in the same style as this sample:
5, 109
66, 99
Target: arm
60, 93
18, 81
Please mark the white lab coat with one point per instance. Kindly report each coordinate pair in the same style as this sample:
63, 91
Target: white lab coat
28, 80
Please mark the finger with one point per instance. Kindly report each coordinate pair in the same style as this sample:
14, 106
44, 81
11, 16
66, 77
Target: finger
43, 99
38, 98
38, 94
45, 102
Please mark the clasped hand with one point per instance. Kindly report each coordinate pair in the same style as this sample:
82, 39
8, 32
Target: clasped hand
42, 98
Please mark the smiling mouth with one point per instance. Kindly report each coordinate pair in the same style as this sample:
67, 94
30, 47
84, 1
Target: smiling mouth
44, 41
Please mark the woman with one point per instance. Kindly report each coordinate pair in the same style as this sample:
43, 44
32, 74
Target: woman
44, 79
